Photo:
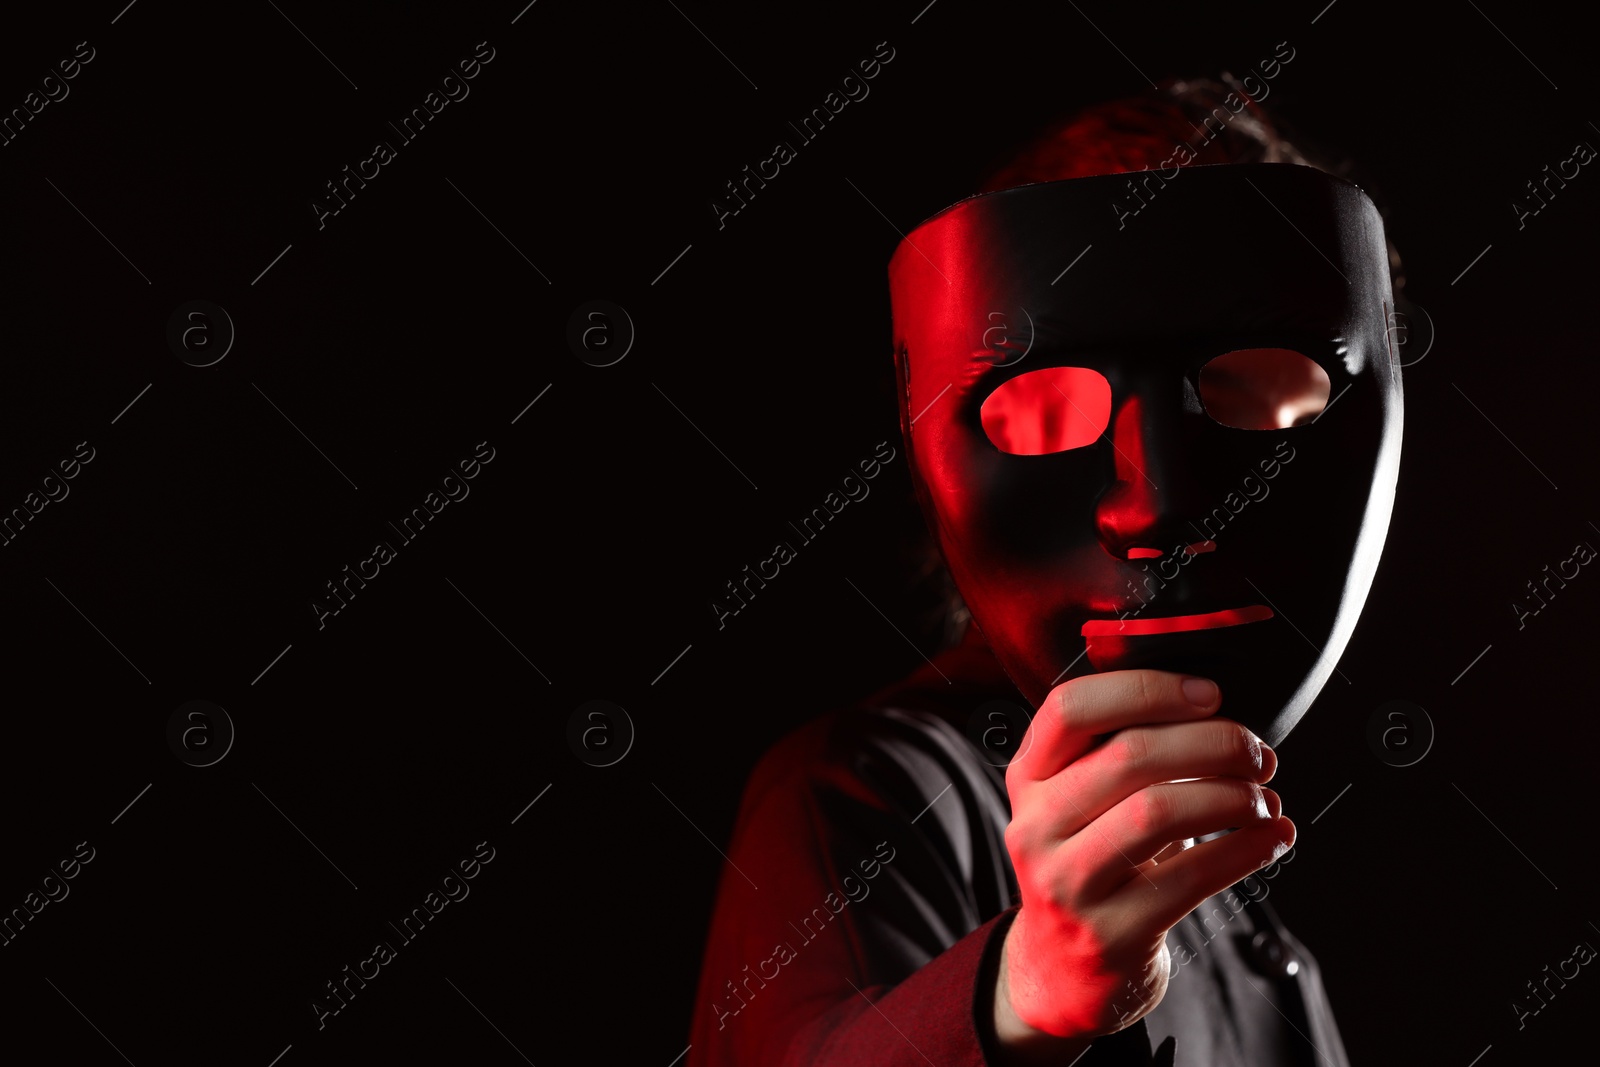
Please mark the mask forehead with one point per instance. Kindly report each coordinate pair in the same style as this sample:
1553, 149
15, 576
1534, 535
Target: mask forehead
1217, 253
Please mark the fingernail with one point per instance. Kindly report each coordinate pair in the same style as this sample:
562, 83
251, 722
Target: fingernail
1201, 692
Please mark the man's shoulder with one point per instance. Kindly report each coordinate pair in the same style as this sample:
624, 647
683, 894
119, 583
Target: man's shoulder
880, 757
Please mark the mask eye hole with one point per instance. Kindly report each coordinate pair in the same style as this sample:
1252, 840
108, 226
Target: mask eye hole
1264, 388
1051, 409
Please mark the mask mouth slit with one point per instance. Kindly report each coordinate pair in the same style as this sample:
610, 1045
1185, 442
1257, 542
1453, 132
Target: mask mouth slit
1210, 620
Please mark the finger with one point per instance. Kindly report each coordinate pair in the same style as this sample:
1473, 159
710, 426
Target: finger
1080, 709
1176, 887
1139, 756
1104, 855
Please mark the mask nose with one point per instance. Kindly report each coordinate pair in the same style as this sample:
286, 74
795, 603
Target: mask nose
1148, 509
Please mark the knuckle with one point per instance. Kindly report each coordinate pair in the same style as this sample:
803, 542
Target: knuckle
1014, 777
1069, 706
1130, 749
1024, 838
1153, 808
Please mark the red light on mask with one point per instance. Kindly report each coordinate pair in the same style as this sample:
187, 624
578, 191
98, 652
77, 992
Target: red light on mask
1051, 409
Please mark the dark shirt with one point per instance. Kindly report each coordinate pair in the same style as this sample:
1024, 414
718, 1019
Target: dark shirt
868, 891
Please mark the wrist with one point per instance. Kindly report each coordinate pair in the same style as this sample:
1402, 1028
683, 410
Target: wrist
1021, 1044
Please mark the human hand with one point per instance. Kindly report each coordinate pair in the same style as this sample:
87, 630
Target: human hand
1096, 797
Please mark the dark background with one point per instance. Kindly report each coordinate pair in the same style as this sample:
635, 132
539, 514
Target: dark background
407, 330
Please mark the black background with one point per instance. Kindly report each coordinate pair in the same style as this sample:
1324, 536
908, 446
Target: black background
407, 330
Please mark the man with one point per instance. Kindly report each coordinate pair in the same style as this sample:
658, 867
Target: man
1087, 440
